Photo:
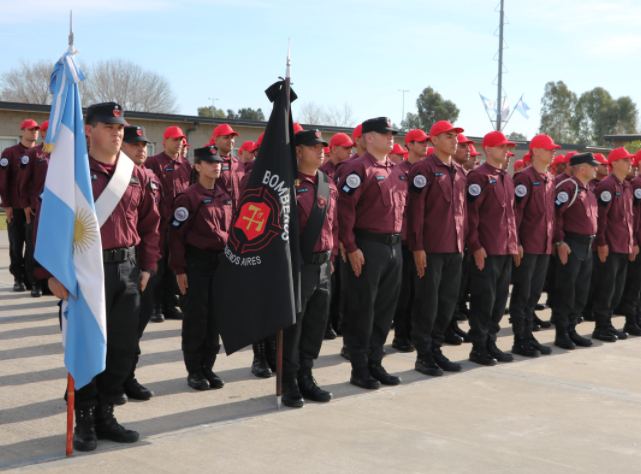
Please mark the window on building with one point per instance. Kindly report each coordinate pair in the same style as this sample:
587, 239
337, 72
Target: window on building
6, 142
151, 149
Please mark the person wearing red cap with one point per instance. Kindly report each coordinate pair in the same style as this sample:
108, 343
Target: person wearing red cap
436, 237
247, 152
602, 171
473, 162
397, 154
574, 229
534, 208
562, 166
370, 214
223, 137
416, 143
359, 142
340, 149
492, 241
174, 173
14, 161
518, 166
616, 243
463, 150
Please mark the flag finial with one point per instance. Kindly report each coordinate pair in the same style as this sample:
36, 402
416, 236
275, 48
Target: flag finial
71, 48
289, 59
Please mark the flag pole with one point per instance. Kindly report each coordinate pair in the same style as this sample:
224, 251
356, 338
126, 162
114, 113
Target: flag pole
279, 334
70, 405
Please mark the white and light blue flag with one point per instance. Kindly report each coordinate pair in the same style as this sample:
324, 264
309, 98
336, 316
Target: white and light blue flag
68, 242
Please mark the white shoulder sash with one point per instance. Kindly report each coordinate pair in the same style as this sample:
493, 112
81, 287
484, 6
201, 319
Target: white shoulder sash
111, 195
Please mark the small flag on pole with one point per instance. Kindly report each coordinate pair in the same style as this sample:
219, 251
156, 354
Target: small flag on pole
68, 242
523, 108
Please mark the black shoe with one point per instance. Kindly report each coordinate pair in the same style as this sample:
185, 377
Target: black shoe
292, 397
107, 427
121, 400
260, 367
617, 333
379, 373
563, 340
310, 389
425, 364
459, 332
632, 329
84, 433
443, 362
157, 316
578, 339
543, 350
524, 348
330, 334
536, 327
133, 389
539, 307
173, 312
452, 338
363, 379
498, 354
482, 358
214, 380
541, 323
604, 334
402, 344
36, 291
344, 353
18, 286
197, 381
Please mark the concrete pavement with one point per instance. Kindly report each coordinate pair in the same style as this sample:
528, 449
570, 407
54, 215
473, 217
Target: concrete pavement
573, 411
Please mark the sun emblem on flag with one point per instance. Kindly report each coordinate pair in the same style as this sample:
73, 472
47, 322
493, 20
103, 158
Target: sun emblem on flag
84, 232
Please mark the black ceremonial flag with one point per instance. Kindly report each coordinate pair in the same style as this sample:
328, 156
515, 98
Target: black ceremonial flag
258, 275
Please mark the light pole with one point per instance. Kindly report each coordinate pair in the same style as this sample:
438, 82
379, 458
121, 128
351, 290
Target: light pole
403, 92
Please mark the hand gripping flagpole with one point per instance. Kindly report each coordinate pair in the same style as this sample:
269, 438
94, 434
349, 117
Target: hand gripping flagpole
279, 334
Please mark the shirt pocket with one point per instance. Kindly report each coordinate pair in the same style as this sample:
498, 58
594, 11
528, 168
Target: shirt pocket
445, 185
384, 190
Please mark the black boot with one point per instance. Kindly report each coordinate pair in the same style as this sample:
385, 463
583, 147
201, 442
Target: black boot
136, 390
84, 434
402, 343
603, 330
310, 389
497, 353
107, 427
18, 285
619, 334
197, 380
539, 322
291, 393
543, 350
480, 355
270, 352
426, 364
631, 326
524, 347
36, 290
157, 315
377, 371
361, 377
214, 380
578, 339
562, 338
260, 367
451, 337
443, 362
330, 334
458, 331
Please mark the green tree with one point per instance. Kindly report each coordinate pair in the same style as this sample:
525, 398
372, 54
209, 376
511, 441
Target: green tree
519, 137
557, 112
212, 112
431, 107
598, 114
246, 113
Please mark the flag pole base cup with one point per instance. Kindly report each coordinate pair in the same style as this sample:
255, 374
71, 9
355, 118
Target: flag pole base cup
279, 402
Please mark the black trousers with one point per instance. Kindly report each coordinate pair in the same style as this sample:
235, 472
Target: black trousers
336, 296
528, 280
166, 289
147, 299
200, 337
302, 341
489, 292
631, 298
435, 300
403, 315
123, 307
608, 289
464, 290
17, 230
572, 284
371, 301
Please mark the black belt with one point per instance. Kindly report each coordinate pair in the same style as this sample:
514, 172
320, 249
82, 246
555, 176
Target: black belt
387, 239
118, 255
583, 239
319, 258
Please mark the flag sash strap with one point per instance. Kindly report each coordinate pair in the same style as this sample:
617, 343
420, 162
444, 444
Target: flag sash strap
111, 195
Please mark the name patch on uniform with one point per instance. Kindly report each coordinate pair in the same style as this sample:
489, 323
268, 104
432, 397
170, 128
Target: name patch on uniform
419, 181
491, 181
301, 190
474, 190
24, 160
520, 190
536, 183
4, 162
438, 173
379, 177
403, 177
207, 201
94, 177
225, 167
169, 168
605, 196
637, 193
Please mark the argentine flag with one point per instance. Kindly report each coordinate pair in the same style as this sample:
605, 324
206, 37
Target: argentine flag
68, 243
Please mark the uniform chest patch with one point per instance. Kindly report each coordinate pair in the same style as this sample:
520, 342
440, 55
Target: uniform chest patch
353, 181
491, 181
520, 190
379, 177
562, 197
24, 160
605, 196
181, 214
637, 193
301, 190
4, 162
419, 181
474, 189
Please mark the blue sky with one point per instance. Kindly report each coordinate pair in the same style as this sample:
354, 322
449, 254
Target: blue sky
352, 52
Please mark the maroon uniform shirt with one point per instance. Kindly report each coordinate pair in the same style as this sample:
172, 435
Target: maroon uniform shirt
576, 210
436, 207
329, 169
490, 209
636, 194
37, 173
174, 176
371, 198
14, 163
615, 224
232, 172
305, 196
201, 219
534, 197
134, 220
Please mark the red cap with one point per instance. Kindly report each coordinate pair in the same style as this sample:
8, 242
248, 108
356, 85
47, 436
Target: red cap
519, 165
463, 140
184, 143
443, 126
247, 146
618, 154
223, 130
527, 158
358, 132
259, 141
173, 132
558, 159
510, 154
28, 124
543, 141
569, 155
341, 139
44, 126
473, 152
430, 150
416, 135
397, 150
297, 127
600, 157
496, 138
326, 150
